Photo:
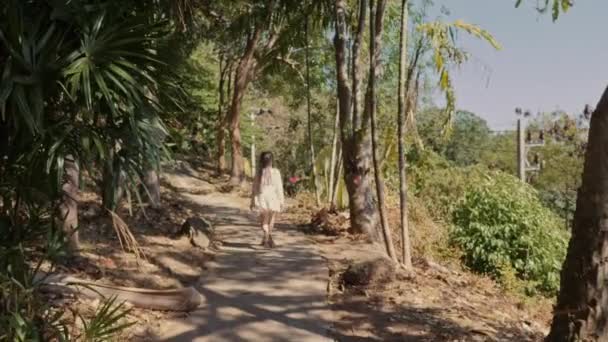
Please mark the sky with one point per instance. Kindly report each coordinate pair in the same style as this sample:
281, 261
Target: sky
543, 66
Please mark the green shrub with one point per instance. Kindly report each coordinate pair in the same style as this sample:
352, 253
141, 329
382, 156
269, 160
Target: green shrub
502, 221
441, 189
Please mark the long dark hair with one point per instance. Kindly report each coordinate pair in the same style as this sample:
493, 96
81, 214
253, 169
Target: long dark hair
265, 165
265, 159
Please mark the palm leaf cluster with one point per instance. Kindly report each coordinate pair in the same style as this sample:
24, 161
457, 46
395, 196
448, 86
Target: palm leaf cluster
78, 82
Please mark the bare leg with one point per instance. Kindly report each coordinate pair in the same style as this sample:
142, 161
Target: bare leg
265, 227
271, 218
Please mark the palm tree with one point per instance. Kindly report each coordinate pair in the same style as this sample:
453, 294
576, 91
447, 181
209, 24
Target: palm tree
75, 91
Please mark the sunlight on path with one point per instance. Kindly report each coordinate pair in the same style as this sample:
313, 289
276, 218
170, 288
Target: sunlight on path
255, 294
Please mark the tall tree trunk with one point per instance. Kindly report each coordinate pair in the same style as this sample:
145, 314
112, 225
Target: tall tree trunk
406, 254
242, 79
581, 313
357, 168
68, 209
375, 30
309, 115
334, 150
113, 179
221, 121
356, 66
355, 145
222, 133
151, 175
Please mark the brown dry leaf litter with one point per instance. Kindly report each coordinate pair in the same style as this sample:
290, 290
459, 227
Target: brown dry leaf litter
169, 262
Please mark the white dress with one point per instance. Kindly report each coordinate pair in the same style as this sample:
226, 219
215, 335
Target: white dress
268, 195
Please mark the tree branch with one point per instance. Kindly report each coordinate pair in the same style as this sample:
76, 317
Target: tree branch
293, 65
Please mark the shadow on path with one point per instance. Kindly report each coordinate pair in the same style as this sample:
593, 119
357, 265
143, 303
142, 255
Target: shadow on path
252, 293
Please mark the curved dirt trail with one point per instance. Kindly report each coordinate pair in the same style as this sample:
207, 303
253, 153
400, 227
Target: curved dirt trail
251, 293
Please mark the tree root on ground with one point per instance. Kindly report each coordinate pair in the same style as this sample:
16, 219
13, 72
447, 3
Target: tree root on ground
185, 299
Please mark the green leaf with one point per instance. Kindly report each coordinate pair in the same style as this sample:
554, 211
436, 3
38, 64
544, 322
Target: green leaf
55, 147
100, 147
105, 91
60, 170
6, 87
45, 39
438, 60
478, 32
122, 74
105, 324
86, 81
444, 81
25, 110
556, 6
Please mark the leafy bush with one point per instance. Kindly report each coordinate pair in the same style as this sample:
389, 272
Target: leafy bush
501, 221
27, 314
438, 184
500, 225
441, 189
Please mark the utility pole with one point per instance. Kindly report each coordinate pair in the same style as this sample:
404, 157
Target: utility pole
524, 144
521, 151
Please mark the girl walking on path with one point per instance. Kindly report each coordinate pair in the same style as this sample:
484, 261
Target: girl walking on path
267, 196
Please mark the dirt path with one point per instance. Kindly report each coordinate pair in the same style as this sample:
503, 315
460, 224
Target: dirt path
251, 293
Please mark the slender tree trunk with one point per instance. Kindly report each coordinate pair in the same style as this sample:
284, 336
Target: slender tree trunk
107, 181
355, 145
356, 66
68, 209
221, 121
581, 313
151, 175
113, 182
375, 29
309, 115
406, 254
152, 184
334, 150
222, 133
242, 79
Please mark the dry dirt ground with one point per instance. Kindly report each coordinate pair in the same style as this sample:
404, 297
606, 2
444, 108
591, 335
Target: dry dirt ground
293, 293
437, 303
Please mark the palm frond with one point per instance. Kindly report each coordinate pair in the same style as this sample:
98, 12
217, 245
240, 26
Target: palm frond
106, 322
442, 39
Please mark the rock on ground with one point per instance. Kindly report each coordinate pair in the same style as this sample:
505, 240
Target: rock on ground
378, 271
199, 231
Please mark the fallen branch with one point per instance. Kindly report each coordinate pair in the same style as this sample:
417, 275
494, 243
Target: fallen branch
185, 299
